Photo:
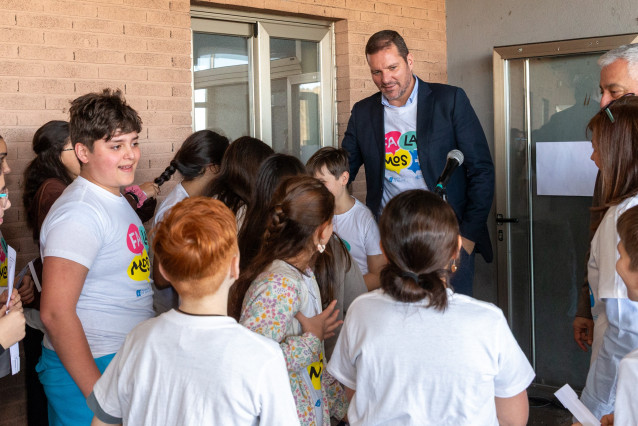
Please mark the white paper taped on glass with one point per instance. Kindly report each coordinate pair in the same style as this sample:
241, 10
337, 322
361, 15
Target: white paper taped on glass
565, 169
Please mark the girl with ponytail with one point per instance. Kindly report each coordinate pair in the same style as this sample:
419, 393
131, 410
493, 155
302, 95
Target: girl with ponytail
198, 161
413, 352
283, 301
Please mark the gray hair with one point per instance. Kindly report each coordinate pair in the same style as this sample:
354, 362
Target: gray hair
628, 52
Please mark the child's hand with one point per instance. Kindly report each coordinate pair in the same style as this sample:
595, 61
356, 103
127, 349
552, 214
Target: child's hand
322, 325
12, 327
15, 302
26, 290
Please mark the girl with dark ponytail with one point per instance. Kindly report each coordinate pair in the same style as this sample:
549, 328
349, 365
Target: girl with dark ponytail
414, 352
283, 301
198, 161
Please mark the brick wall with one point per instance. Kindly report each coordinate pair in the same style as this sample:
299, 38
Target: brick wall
53, 51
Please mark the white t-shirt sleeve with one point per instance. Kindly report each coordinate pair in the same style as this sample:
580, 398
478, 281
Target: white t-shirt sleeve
626, 406
277, 402
72, 234
515, 373
342, 365
106, 389
372, 237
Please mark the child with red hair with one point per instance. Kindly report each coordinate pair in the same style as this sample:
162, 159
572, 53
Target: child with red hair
196, 365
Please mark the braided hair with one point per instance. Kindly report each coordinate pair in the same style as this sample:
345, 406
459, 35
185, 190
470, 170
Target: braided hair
300, 205
199, 150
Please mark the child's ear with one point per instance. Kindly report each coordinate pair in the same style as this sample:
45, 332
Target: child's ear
344, 178
82, 151
234, 267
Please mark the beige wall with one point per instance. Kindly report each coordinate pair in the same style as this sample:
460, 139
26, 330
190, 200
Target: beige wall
55, 50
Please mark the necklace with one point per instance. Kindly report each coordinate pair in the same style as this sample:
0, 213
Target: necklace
200, 315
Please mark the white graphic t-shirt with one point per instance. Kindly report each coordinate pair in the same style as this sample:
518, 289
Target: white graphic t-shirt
99, 230
359, 232
402, 168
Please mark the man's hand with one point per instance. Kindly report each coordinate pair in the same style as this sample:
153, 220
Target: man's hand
468, 245
583, 332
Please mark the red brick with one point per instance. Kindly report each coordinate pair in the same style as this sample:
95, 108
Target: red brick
181, 34
40, 117
173, 19
148, 89
61, 103
138, 30
176, 76
43, 21
70, 39
23, 5
180, 5
46, 53
122, 43
374, 17
183, 62
84, 87
170, 132
71, 8
98, 26
99, 56
121, 14
182, 90
20, 35
8, 119
71, 70
149, 147
148, 4
7, 19
117, 72
183, 119
139, 104
21, 101
169, 46
21, 68
415, 13
46, 85
387, 9
148, 59
151, 118
172, 104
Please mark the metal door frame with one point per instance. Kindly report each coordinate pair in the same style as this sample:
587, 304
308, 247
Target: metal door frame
501, 57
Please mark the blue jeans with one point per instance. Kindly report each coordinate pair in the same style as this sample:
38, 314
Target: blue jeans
66, 403
462, 281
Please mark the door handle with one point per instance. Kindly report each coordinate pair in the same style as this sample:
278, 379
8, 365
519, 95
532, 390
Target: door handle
501, 220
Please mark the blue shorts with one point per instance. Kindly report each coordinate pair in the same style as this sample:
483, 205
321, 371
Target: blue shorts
66, 403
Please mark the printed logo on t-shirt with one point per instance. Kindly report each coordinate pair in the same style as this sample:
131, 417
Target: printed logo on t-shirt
140, 267
347, 244
401, 152
315, 371
4, 264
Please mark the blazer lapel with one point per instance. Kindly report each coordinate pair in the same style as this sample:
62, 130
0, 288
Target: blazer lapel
378, 129
424, 112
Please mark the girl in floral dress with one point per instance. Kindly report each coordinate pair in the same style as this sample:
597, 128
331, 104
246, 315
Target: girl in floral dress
283, 300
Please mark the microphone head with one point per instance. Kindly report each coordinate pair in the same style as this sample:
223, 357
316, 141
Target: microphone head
456, 155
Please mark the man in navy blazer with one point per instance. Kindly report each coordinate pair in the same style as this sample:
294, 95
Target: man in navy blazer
403, 134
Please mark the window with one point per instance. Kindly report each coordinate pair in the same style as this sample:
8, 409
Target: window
265, 77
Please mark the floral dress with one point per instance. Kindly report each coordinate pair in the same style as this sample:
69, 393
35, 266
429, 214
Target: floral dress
269, 308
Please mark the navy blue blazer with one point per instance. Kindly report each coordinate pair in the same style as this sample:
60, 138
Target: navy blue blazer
445, 121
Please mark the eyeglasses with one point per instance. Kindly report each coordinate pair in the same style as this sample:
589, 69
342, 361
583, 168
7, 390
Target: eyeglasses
608, 111
67, 149
4, 198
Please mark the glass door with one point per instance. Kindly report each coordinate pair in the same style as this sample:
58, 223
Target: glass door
544, 98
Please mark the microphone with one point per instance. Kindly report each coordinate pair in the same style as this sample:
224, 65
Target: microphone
454, 159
